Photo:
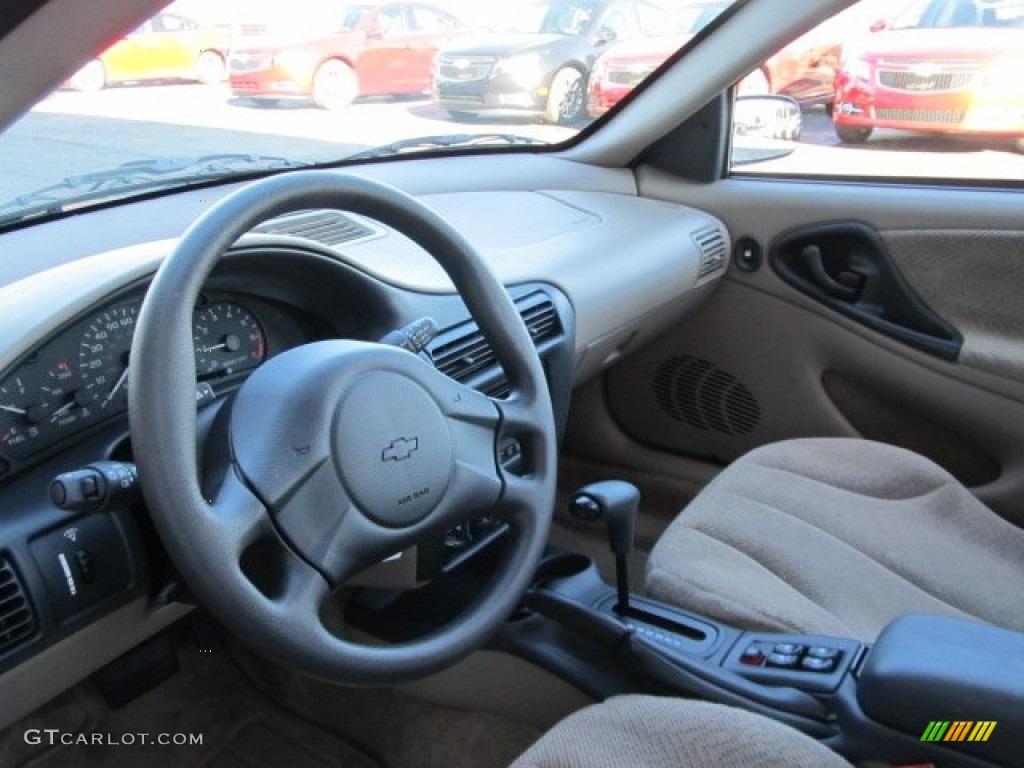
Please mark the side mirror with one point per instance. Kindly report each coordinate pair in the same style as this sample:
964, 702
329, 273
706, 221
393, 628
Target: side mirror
376, 31
765, 128
878, 25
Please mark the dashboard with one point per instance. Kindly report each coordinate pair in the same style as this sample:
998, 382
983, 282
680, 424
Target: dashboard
594, 270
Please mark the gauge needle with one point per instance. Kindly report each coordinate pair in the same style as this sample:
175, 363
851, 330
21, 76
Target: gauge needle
62, 410
117, 386
12, 409
222, 345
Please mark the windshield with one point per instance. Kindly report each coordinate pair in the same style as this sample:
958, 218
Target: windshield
210, 89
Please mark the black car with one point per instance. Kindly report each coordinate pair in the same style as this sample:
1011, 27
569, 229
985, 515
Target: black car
542, 68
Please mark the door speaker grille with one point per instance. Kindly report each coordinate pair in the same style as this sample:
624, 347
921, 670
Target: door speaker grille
695, 392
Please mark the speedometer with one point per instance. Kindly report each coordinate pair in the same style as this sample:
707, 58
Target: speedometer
103, 357
228, 339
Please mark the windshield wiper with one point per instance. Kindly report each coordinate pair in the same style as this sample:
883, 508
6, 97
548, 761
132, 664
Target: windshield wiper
137, 176
447, 141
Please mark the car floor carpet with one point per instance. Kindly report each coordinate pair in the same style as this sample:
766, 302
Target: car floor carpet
243, 727
400, 730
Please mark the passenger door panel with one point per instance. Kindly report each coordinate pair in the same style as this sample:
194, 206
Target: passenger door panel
772, 356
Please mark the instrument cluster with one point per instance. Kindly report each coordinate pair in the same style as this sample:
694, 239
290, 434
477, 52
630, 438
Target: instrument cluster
79, 377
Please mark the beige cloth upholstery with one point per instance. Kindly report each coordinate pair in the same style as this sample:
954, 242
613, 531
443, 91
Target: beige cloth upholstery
652, 732
838, 536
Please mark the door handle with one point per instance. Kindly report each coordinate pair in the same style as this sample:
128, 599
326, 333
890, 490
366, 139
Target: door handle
846, 266
846, 286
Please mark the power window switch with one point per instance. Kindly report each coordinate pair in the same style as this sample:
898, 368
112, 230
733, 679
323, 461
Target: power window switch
823, 652
788, 649
814, 664
785, 660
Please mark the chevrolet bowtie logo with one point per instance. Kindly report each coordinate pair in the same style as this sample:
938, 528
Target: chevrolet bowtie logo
400, 449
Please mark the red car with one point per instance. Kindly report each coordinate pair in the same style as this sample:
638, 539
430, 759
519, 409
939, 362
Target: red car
625, 64
804, 70
946, 66
370, 50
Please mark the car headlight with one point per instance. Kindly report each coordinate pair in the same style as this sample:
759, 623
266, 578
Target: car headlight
857, 68
1004, 74
296, 61
526, 70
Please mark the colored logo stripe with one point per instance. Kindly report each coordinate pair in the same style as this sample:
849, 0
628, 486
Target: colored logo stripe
982, 730
935, 730
958, 730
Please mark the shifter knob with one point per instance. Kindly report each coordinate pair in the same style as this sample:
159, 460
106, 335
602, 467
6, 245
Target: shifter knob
616, 502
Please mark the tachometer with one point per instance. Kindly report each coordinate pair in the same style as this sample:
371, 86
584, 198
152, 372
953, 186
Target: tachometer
228, 339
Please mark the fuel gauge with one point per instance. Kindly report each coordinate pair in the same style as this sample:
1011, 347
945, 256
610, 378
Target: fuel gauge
22, 412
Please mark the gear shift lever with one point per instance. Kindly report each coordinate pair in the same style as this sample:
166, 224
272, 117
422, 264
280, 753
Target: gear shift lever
615, 502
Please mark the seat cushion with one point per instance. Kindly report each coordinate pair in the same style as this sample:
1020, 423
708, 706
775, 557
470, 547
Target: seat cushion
838, 536
653, 732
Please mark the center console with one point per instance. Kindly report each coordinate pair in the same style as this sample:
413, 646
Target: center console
887, 702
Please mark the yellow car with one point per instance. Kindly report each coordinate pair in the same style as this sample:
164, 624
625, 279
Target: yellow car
166, 47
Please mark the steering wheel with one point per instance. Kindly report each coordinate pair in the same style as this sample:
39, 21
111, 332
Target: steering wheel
342, 453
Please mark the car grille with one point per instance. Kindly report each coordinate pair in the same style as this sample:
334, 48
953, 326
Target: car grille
948, 116
915, 76
628, 77
252, 30
464, 69
909, 81
249, 62
446, 92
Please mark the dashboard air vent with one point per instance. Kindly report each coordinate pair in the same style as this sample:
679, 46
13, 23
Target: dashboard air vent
17, 621
713, 251
466, 353
326, 227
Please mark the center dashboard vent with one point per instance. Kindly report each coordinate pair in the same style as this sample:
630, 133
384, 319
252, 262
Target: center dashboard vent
17, 621
713, 251
328, 228
464, 354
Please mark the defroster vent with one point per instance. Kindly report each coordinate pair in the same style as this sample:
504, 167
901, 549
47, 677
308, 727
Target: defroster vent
713, 251
325, 227
17, 621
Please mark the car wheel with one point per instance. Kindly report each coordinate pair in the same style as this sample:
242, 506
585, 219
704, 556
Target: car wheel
791, 131
852, 134
566, 98
90, 78
335, 85
210, 68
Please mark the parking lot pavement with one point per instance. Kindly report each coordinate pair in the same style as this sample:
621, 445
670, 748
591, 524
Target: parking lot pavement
133, 122
895, 154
